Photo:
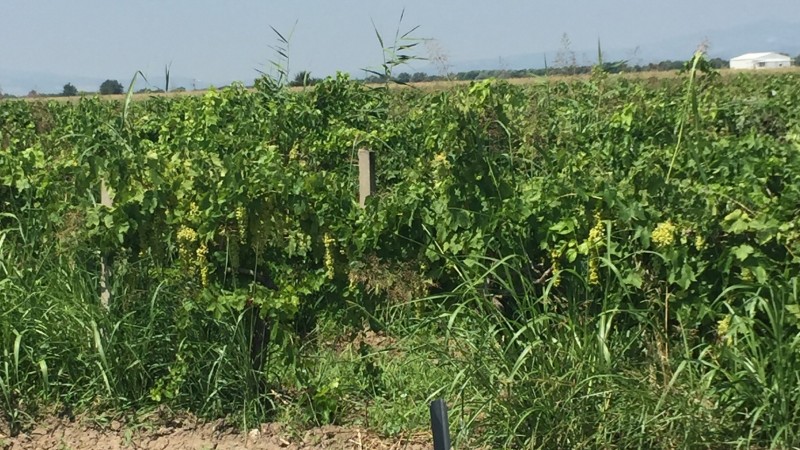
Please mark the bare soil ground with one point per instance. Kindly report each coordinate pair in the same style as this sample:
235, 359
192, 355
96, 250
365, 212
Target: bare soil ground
191, 435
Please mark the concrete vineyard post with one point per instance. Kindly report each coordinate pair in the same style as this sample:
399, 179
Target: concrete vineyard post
366, 175
105, 264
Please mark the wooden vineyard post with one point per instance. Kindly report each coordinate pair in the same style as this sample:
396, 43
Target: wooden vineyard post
366, 175
105, 265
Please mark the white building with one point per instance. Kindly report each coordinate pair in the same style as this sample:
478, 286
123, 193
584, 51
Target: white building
766, 60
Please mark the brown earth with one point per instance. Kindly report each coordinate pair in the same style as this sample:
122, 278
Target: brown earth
189, 435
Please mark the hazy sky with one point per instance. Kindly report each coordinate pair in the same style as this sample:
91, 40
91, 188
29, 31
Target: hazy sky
219, 41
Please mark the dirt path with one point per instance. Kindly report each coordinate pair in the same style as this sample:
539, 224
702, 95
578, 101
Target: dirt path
65, 435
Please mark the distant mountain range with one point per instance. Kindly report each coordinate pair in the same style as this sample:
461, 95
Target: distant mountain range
773, 36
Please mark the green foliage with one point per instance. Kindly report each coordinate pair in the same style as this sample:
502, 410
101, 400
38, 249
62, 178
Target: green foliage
69, 90
111, 87
418, 77
303, 78
596, 262
396, 53
404, 78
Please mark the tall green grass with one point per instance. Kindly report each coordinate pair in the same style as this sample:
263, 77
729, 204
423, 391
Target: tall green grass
563, 369
64, 352
155, 350
539, 366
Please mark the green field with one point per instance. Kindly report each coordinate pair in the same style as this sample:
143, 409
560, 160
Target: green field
597, 262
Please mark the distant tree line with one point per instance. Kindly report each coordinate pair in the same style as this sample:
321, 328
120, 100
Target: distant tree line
611, 67
4, 95
108, 87
304, 78
111, 87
